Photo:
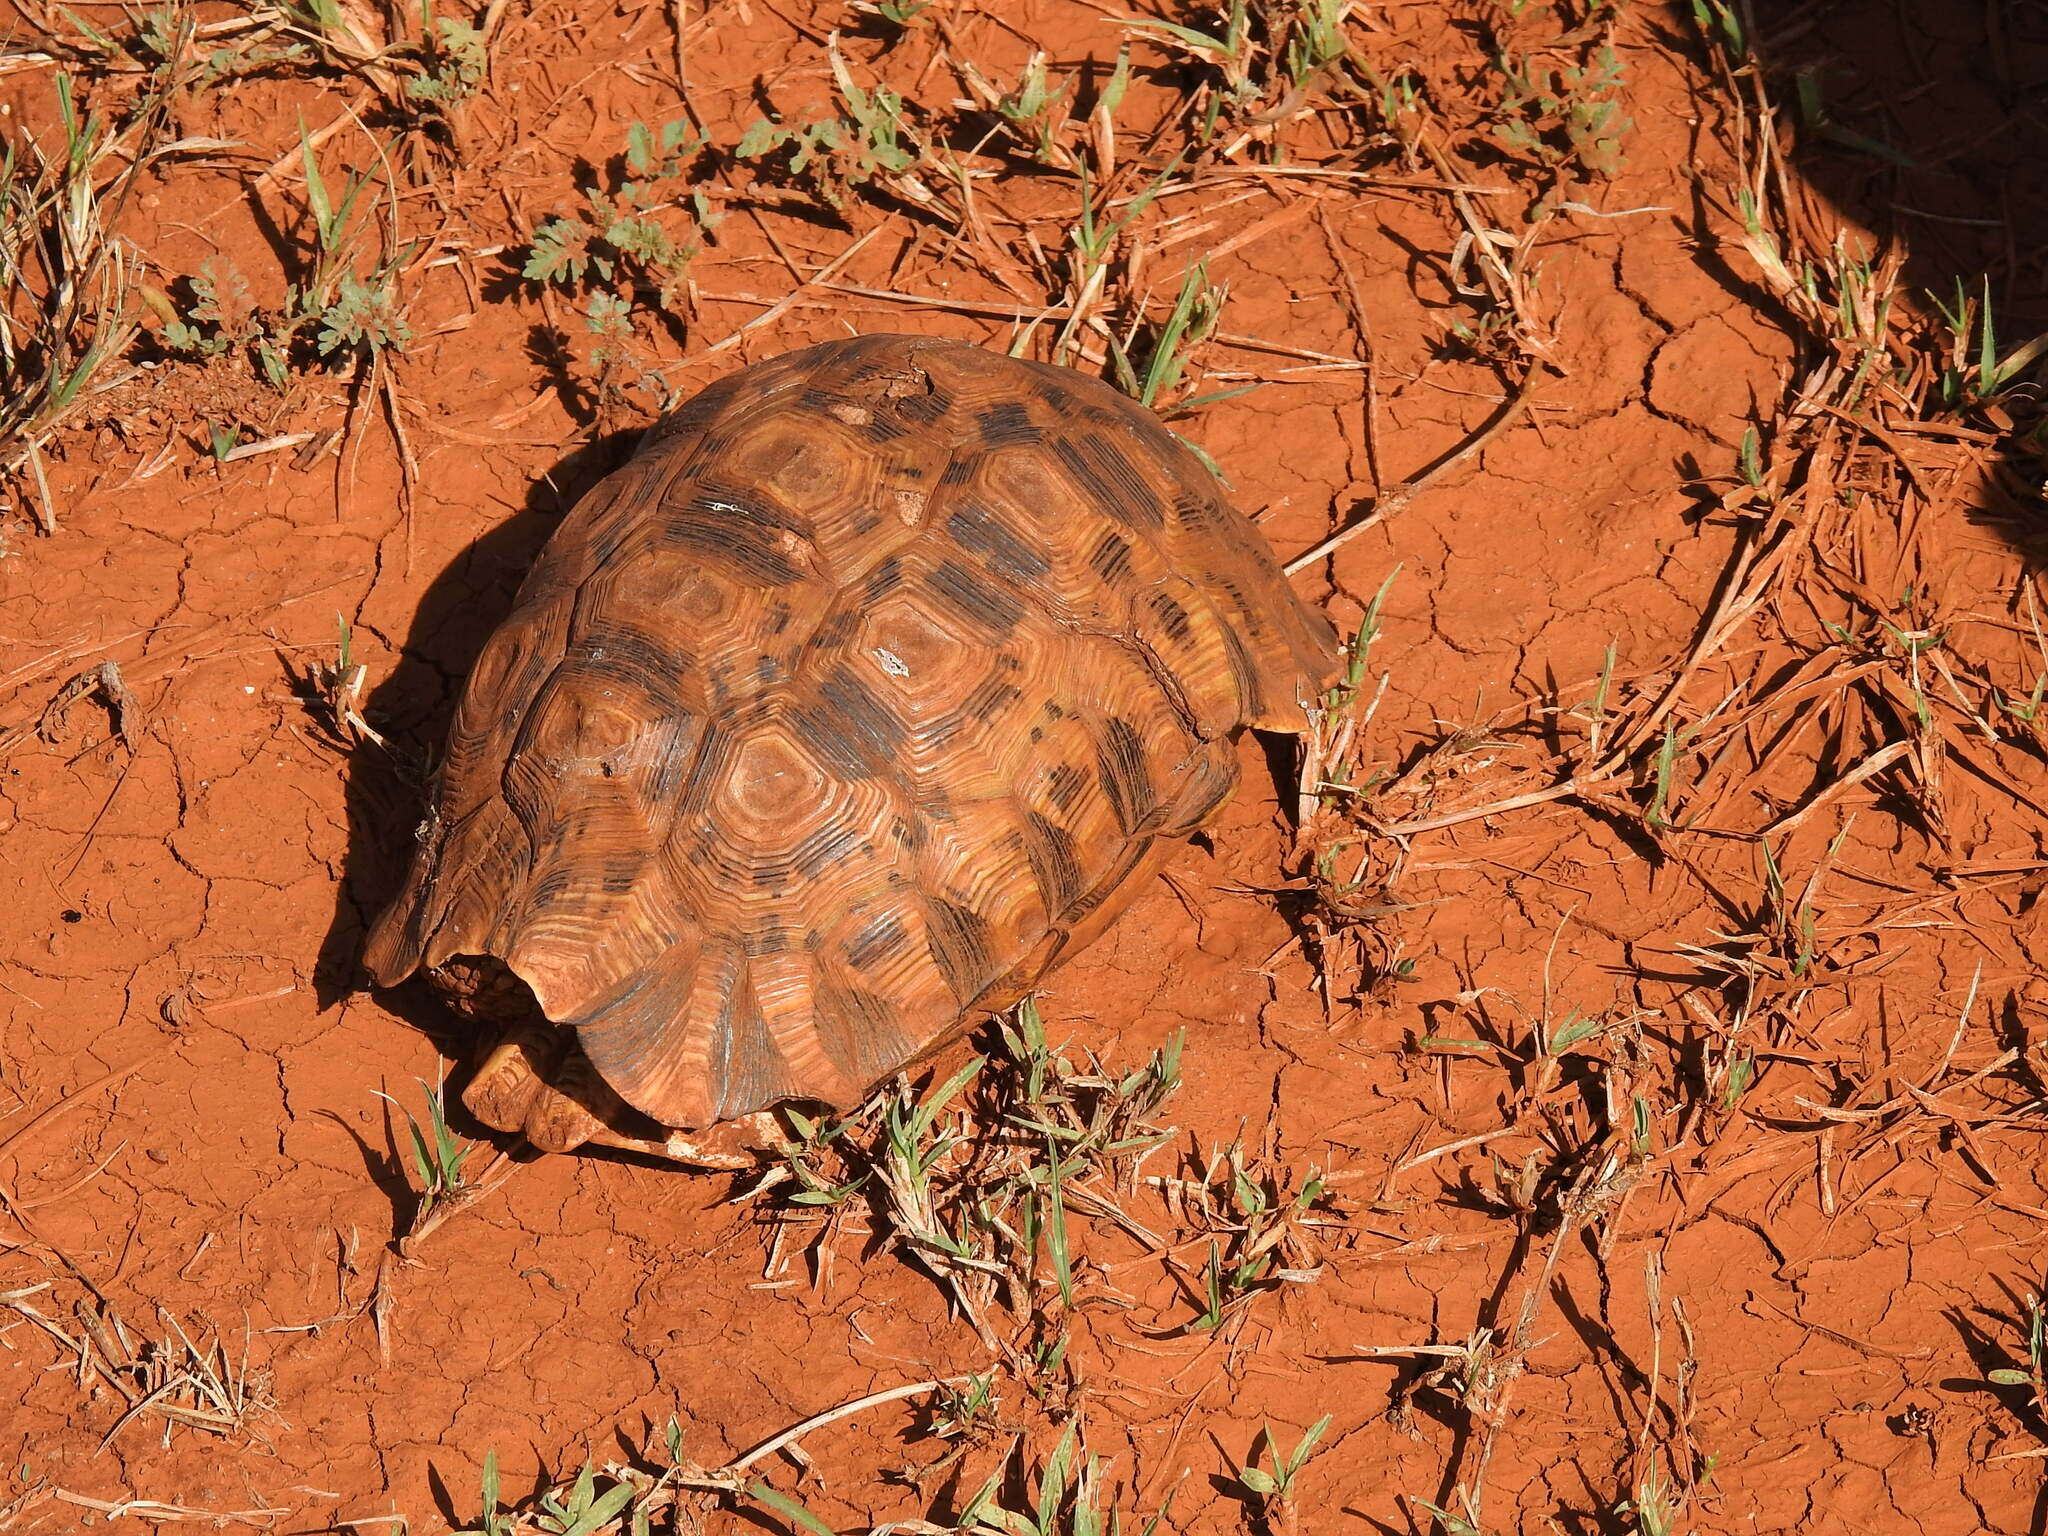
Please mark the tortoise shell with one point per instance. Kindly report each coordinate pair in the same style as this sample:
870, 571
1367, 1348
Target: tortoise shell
858, 699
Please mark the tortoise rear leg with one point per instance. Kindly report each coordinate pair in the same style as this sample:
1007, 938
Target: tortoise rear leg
520, 1058
734, 1145
536, 1082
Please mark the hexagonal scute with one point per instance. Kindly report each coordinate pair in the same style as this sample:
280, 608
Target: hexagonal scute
593, 739
778, 798
817, 471
1022, 488
925, 665
690, 618
821, 724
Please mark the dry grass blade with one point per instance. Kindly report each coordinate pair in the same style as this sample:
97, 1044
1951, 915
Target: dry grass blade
992, 1217
157, 1510
68, 277
182, 1382
1398, 496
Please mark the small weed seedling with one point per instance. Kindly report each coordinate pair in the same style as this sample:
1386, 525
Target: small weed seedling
2033, 1376
438, 1155
339, 687
1973, 372
451, 60
1265, 60
67, 280
344, 308
352, 312
623, 233
1192, 320
631, 241
1272, 1485
1564, 116
1260, 1239
983, 1180
871, 140
1068, 1499
898, 13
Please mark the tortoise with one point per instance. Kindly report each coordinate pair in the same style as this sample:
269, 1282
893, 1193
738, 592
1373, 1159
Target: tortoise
872, 687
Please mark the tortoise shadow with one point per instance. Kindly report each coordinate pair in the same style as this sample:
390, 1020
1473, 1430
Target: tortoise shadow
1922, 124
384, 789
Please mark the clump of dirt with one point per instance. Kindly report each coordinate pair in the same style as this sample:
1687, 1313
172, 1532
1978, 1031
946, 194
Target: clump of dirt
1594, 1084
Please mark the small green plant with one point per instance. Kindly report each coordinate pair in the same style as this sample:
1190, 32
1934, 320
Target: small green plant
452, 60
423, 77
343, 309
164, 43
1564, 115
493, 1521
1196, 312
1266, 58
1229, 48
437, 1153
627, 231
1451, 1524
1654, 1505
1038, 108
68, 281
898, 13
1973, 372
2034, 1374
871, 140
338, 687
221, 314
353, 314
1261, 1240
581, 1510
982, 1180
1095, 237
1720, 25
1311, 40
1036, 111
1068, 1499
2027, 708
966, 1410
1273, 1484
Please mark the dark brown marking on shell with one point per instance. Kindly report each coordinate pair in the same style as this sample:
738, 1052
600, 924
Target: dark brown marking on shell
978, 531
990, 700
1121, 770
1109, 481
884, 579
819, 852
981, 601
1065, 785
844, 746
1172, 618
960, 943
1111, 558
1054, 863
1006, 424
924, 410
884, 936
858, 710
